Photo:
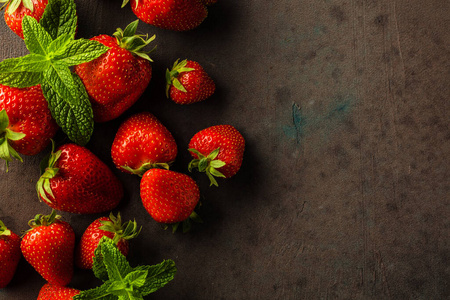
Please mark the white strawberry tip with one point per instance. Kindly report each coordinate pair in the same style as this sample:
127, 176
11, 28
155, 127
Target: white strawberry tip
7, 152
207, 164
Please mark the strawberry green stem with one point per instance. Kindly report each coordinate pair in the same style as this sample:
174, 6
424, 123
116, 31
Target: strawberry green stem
14, 5
129, 40
7, 152
3, 230
125, 231
43, 186
147, 166
171, 76
43, 220
208, 164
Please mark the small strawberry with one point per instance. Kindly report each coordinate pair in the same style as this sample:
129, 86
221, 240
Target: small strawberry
9, 254
116, 79
55, 292
26, 124
111, 227
48, 247
188, 82
177, 15
141, 143
17, 9
169, 197
218, 151
77, 181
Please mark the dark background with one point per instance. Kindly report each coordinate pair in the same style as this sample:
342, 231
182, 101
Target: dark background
344, 189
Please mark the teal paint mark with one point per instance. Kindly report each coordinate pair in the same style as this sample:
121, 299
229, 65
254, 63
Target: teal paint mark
295, 130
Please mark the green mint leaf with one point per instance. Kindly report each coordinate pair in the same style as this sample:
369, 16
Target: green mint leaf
158, 276
69, 103
98, 266
58, 45
36, 38
136, 278
60, 18
100, 292
12, 74
27, 63
116, 263
81, 51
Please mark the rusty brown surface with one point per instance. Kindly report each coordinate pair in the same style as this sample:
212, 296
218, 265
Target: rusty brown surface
344, 189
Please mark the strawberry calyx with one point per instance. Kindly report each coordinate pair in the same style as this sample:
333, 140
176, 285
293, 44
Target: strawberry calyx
43, 220
129, 40
186, 224
14, 5
208, 164
145, 167
7, 152
171, 76
48, 171
3, 230
125, 231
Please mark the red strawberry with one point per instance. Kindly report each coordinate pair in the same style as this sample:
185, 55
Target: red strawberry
141, 143
111, 227
48, 246
188, 83
77, 181
117, 79
26, 124
9, 254
17, 9
55, 292
169, 197
218, 151
178, 15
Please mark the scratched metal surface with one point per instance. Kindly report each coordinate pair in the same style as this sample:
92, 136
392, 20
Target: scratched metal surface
344, 190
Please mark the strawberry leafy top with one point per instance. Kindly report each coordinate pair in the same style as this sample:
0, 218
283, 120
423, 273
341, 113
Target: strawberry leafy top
121, 281
53, 49
129, 40
7, 152
14, 5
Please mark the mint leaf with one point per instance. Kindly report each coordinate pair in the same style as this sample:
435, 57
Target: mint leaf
69, 103
36, 38
158, 276
100, 292
12, 74
80, 51
58, 45
116, 263
60, 18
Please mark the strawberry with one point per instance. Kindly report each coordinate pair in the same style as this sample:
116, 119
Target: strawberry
55, 292
26, 124
77, 181
9, 254
111, 227
142, 142
116, 79
17, 9
188, 82
169, 197
48, 247
177, 15
217, 151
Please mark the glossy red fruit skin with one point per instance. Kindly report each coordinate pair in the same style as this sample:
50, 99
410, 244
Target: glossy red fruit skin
115, 80
50, 250
198, 84
55, 292
14, 20
177, 15
84, 253
228, 139
83, 184
142, 139
28, 113
9, 257
168, 196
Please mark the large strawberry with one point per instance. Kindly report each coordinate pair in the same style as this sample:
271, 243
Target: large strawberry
116, 79
169, 197
17, 9
218, 151
141, 143
178, 15
56, 292
48, 246
26, 124
111, 227
77, 181
188, 82
9, 254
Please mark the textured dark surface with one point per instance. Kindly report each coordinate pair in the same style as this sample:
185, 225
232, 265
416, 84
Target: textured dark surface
344, 190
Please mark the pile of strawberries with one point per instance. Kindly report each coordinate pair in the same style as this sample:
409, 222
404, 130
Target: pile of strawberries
75, 180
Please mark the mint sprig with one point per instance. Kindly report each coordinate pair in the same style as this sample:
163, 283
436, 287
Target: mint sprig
121, 281
53, 49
